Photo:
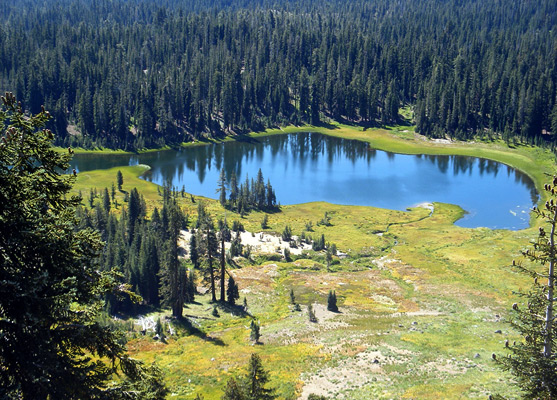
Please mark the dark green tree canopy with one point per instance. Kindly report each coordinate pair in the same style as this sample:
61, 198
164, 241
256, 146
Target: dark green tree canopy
533, 359
51, 289
465, 67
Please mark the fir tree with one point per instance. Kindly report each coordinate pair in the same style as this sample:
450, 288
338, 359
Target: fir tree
51, 286
106, 200
265, 221
233, 189
222, 188
287, 234
533, 360
194, 255
256, 379
208, 244
173, 274
233, 390
332, 301
255, 331
119, 180
232, 293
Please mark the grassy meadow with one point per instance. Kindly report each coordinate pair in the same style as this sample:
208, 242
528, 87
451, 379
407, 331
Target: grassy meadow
422, 302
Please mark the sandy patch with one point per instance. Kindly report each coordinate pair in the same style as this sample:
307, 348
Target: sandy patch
437, 141
350, 373
260, 242
426, 205
256, 279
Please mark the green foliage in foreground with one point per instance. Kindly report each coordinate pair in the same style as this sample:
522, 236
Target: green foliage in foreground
533, 360
51, 290
252, 386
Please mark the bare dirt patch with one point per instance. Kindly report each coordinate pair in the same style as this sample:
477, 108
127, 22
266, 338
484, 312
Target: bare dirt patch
256, 279
260, 242
350, 373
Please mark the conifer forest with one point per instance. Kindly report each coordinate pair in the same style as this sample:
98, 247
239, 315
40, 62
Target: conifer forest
278, 199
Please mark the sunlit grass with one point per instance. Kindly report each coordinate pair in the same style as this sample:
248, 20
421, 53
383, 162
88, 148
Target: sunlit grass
427, 295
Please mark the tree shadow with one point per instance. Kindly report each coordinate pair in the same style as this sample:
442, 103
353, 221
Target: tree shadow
236, 309
246, 139
186, 324
323, 124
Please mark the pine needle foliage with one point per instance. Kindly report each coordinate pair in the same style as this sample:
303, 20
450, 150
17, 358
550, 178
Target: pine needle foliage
51, 289
533, 360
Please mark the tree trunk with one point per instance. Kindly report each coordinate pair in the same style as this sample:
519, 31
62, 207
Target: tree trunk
213, 292
548, 342
222, 270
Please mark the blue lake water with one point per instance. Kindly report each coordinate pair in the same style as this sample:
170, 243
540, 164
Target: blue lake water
309, 167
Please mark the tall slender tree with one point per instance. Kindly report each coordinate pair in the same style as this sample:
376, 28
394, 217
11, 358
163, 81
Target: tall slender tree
533, 360
222, 188
51, 286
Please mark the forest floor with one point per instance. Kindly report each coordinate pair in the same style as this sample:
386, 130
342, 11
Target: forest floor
422, 301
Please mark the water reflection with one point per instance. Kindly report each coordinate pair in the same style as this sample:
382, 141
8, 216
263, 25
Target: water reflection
311, 167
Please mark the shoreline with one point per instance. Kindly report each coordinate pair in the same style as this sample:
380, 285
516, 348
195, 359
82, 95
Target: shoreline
535, 162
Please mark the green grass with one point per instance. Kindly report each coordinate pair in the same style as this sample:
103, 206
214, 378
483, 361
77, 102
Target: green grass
424, 297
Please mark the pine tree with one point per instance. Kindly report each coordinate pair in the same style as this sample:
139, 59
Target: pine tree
208, 244
222, 265
51, 285
255, 331
332, 301
255, 381
533, 360
265, 221
194, 255
222, 188
287, 234
106, 200
119, 180
233, 391
173, 273
232, 293
233, 189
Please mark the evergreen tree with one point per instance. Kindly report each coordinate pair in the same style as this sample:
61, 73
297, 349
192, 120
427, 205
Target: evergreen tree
51, 288
208, 245
287, 234
255, 331
233, 190
173, 274
106, 200
256, 379
194, 255
332, 301
119, 180
265, 221
533, 360
271, 197
232, 293
222, 188
222, 265
233, 391
134, 212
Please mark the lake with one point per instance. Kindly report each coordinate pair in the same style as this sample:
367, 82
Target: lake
309, 167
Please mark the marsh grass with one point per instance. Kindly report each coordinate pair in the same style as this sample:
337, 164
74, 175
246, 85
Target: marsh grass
425, 294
